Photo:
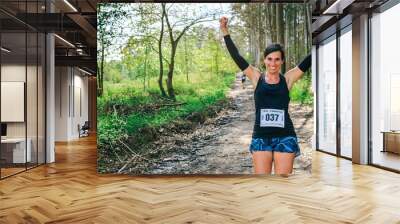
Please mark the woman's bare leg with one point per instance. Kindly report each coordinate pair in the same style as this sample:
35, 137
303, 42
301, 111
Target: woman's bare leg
262, 161
283, 162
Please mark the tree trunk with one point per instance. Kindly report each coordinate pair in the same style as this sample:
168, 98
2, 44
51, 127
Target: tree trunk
307, 21
216, 58
186, 61
280, 30
271, 11
288, 35
148, 82
267, 22
170, 88
297, 38
261, 34
258, 35
160, 77
145, 68
273, 15
101, 73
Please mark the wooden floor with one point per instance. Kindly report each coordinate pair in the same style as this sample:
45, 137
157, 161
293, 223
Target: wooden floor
5, 172
70, 191
387, 159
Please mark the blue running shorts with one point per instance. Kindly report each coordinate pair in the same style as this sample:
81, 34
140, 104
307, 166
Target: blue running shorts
286, 144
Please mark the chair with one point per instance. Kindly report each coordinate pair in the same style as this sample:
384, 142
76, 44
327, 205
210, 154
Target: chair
84, 130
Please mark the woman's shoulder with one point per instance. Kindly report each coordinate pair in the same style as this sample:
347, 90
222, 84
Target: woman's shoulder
283, 77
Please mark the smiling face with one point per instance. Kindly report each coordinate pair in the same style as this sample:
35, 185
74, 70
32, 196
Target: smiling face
273, 62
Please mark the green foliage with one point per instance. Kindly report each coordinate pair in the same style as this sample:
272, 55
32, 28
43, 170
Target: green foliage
125, 109
110, 129
301, 92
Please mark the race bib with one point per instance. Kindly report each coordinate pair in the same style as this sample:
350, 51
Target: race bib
272, 118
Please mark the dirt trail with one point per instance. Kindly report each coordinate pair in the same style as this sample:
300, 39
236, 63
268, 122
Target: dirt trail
220, 145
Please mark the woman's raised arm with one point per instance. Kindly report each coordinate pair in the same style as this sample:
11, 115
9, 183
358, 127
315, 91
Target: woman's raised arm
249, 70
297, 72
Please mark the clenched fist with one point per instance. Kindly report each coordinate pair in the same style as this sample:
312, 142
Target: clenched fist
223, 25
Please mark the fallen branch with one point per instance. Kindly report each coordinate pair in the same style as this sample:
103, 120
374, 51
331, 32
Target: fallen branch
131, 150
170, 104
127, 163
118, 157
156, 106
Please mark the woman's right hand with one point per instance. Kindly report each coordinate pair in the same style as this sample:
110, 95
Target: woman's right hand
223, 25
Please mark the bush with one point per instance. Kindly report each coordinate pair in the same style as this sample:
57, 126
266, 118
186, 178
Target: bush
300, 91
125, 110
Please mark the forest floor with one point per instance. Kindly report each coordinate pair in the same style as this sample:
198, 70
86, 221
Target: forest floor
220, 145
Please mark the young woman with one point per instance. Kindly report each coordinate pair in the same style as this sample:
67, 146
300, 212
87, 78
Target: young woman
274, 139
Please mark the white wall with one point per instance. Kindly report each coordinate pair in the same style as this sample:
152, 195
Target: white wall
62, 81
33, 125
70, 84
12, 73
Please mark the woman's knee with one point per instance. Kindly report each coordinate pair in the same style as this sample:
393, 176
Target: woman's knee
283, 163
262, 162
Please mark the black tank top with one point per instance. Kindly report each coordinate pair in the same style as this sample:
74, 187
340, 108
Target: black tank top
272, 102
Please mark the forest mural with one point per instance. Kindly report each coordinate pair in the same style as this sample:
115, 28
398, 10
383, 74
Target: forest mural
167, 84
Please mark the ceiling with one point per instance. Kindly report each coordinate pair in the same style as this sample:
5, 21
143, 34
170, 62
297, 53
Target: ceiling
73, 21
328, 15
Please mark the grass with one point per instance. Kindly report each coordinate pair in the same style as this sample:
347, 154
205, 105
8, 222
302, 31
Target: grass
301, 93
125, 108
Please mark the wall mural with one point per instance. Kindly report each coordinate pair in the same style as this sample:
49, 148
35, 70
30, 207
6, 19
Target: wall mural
172, 98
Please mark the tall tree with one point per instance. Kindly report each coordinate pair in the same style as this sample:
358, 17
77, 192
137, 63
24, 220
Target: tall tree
160, 55
108, 16
175, 35
280, 29
186, 59
145, 23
